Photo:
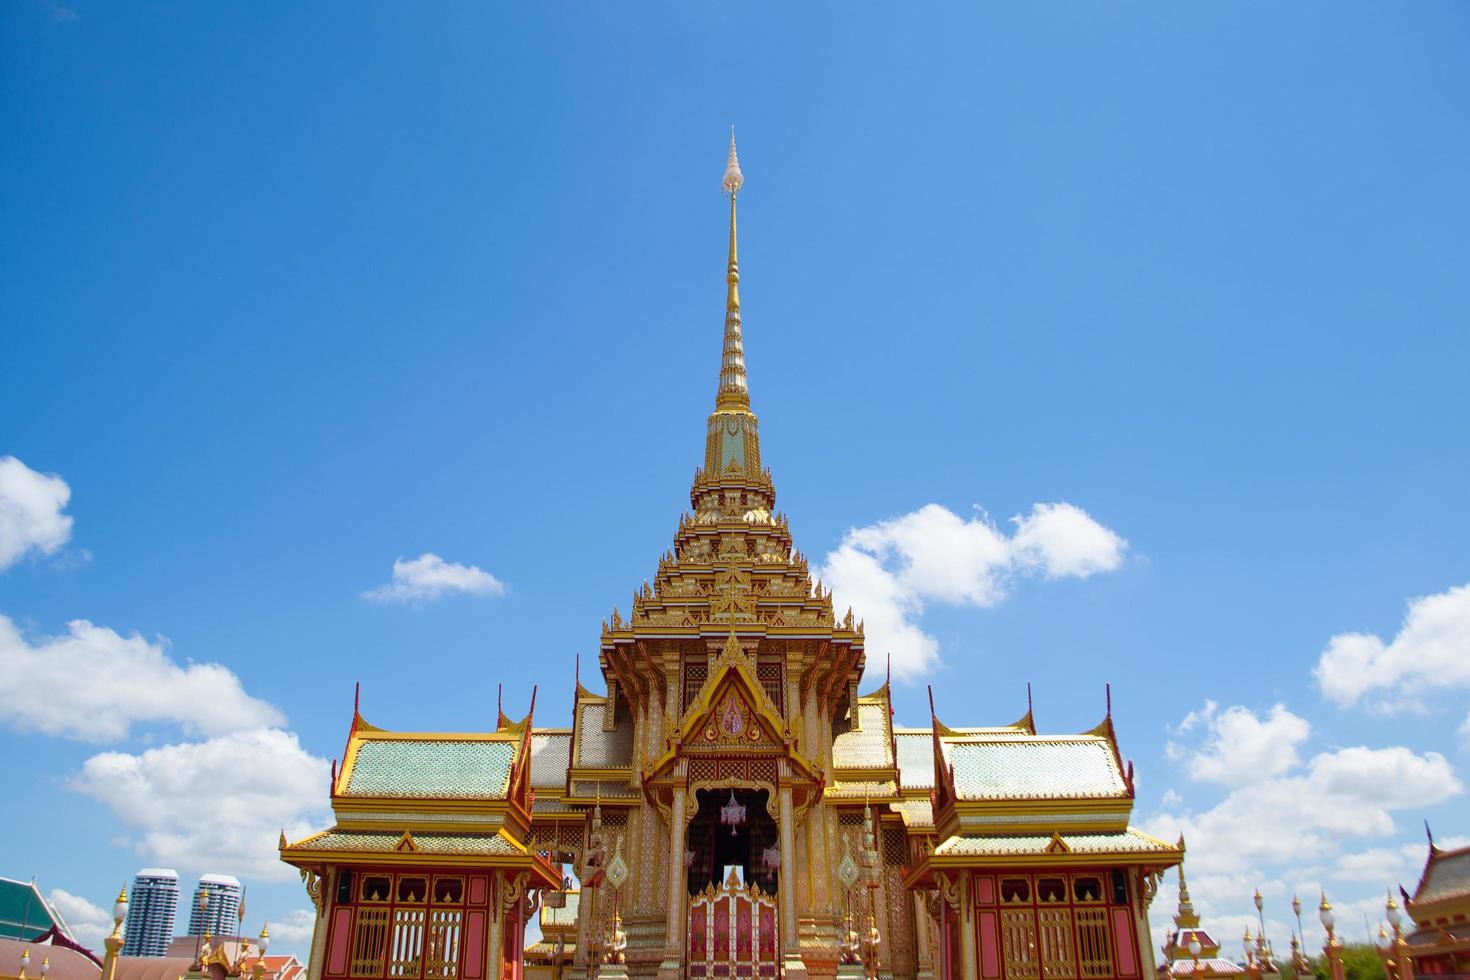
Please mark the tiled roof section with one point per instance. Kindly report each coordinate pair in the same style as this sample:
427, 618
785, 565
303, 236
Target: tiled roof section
917, 814
1435, 935
597, 748
1210, 967
148, 967
1447, 876
985, 845
551, 756
605, 788
867, 746
565, 917
458, 769
371, 841
1030, 768
866, 789
66, 964
915, 759
540, 806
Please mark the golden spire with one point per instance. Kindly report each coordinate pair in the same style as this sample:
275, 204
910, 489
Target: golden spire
733, 393
1186, 918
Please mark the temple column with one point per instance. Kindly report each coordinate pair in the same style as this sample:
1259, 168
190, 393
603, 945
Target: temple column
499, 910
327, 892
671, 967
793, 967
1142, 935
923, 961
966, 923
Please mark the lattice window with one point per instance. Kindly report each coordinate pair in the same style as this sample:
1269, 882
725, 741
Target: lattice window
406, 953
1058, 959
762, 771
694, 675
1094, 950
769, 675
1018, 941
901, 953
701, 770
441, 957
369, 940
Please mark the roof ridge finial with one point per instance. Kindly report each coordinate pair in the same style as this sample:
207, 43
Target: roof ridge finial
733, 392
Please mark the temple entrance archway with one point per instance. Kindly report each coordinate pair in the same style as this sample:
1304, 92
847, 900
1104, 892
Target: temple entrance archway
712, 847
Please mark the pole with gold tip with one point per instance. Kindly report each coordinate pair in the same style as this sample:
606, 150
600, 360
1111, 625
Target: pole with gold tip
113, 944
1332, 948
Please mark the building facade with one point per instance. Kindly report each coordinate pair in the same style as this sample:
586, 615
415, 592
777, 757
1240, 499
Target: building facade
731, 802
215, 910
1189, 950
153, 903
1439, 942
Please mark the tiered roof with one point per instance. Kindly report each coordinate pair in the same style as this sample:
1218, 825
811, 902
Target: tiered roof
451, 798
1440, 906
1005, 793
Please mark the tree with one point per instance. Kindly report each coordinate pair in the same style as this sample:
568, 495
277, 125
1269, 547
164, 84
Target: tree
1360, 961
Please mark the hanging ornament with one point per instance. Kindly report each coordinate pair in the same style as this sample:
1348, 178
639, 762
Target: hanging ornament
732, 814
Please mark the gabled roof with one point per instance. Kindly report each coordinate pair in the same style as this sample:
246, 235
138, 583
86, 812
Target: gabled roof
1127, 843
25, 913
1446, 877
915, 757
1029, 767
551, 757
412, 766
869, 744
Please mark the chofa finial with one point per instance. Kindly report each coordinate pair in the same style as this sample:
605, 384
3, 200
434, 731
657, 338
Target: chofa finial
734, 179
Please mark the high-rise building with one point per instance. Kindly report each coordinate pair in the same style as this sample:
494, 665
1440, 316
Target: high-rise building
152, 903
220, 914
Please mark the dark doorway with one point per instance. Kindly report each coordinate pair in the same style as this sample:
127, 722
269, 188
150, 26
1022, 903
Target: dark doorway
713, 846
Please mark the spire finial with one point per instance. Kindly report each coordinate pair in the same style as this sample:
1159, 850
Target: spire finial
733, 392
733, 177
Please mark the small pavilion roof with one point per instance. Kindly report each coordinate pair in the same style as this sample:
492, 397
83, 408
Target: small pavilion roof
65, 963
551, 757
1028, 767
1127, 843
25, 913
151, 967
1213, 966
1446, 877
373, 842
429, 766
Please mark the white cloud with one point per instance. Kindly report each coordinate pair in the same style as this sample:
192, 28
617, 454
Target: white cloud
1064, 542
1430, 652
1239, 747
89, 923
219, 803
295, 928
31, 517
95, 684
1301, 813
429, 577
887, 571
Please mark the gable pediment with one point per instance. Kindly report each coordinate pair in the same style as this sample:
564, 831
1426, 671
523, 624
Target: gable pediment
733, 722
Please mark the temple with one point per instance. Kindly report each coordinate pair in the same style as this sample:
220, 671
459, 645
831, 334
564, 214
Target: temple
731, 802
1190, 951
1438, 944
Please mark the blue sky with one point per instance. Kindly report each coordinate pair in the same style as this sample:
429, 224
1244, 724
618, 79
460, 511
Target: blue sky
290, 293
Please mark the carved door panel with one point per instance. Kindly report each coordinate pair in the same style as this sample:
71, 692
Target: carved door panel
1018, 944
1058, 956
732, 934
